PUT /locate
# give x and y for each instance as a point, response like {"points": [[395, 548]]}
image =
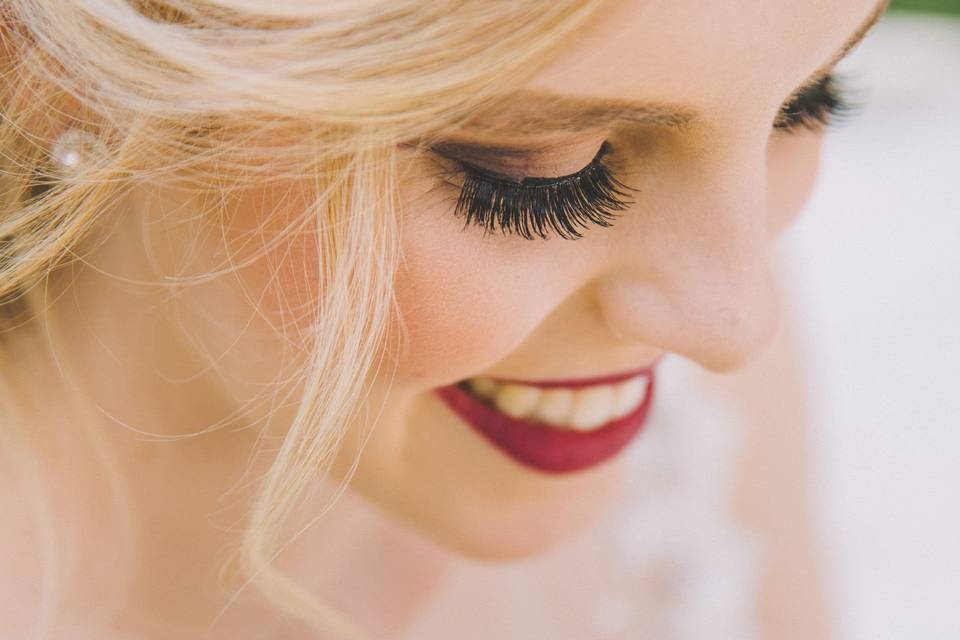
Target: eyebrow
{"points": [[530, 112]]}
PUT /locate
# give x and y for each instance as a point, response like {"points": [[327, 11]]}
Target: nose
{"points": [[696, 276]]}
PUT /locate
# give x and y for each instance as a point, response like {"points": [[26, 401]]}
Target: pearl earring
{"points": [[74, 148]]}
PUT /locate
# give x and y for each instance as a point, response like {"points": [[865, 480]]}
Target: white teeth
{"points": [[483, 387], [592, 407], [517, 401], [555, 406], [629, 395], [581, 409]]}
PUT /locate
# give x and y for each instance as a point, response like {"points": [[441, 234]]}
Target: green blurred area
{"points": [[941, 6]]}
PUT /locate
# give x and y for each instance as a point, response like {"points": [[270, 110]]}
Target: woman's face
{"points": [[686, 95], [685, 269]]}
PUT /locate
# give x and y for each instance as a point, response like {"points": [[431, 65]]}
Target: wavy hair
{"points": [[223, 94]]}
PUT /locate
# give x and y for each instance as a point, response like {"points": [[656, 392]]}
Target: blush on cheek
{"points": [[467, 301], [282, 281], [792, 164], [456, 324], [296, 266]]}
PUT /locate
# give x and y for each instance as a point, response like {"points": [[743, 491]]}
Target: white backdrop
{"points": [[876, 263]]}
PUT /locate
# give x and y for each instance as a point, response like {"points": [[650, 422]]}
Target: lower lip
{"points": [[545, 448]]}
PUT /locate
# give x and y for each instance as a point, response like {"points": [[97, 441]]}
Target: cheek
{"points": [[456, 323], [251, 287], [267, 236], [468, 302], [290, 270], [463, 298], [792, 165]]}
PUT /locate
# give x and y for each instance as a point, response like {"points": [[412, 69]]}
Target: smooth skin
{"points": [[687, 270]]}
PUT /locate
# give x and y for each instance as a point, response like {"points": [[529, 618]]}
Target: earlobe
{"points": [[74, 149], [41, 113]]}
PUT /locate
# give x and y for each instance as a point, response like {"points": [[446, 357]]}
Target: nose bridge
{"points": [[700, 284]]}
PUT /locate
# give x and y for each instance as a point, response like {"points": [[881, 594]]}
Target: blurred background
{"points": [[934, 6], [875, 265]]}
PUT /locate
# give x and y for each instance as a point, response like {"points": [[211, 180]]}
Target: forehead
{"points": [[702, 52]]}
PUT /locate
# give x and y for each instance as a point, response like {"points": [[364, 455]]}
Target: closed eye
{"points": [[538, 207], [818, 106]]}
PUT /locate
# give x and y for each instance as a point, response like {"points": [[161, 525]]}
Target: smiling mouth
{"points": [[555, 426]]}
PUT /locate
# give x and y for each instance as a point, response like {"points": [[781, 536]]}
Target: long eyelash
{"points": [[821, 105], [534, 207]]}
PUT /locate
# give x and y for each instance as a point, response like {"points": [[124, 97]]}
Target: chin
{"points": [[523, 531], [505, 547], [454, 488]]}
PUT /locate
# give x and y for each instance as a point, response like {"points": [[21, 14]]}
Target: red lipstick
{"points": [[544, 447]]}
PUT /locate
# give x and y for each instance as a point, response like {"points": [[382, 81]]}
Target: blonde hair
{"points": [[218, 94]]}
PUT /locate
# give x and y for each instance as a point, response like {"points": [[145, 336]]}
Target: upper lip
{"points": [[610, 378]]}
